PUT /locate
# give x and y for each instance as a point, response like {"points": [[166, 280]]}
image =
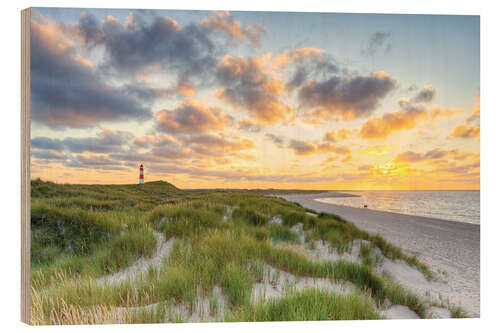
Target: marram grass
{"points": [[225, 241]]}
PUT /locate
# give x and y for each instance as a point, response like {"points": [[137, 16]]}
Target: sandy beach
{"points": [[451, 249]]}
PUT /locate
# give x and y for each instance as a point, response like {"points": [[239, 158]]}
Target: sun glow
{"points": [[387, 168]]}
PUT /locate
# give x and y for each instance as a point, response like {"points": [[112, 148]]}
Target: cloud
{"points": [[66, 91], [106, 141], [146, 93], [47, 143], [302, 147], [439, 112], [174, 151], [441, 159], [340, 134], [306, 148], [186, 148], [425, 95], [223, 21], [329, 160], [364, 167], [191, 117], [378, 40], [278, 140], [154, 140], [381, 127], [247, 85], [462, 155], [291, 56], [48, 155], [299, 77], [161, 43], [465, 132], [310, 63], [471, 128], [248, 125], [93, 161], [347, 159], [236, 175], [474, 118], [377, 150], [347, 98], [435, 153], [343, 150], [411, 156], [463, 169], [217, 144], [136, 157], [96, 160], [330, 136], [410, 113]]}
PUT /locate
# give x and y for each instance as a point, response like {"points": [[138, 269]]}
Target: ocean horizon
{"points": [[452, 205]]}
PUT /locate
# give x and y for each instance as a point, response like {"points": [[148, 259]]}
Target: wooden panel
{"points": [[25, 166]]}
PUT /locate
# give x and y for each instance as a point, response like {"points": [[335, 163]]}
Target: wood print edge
{"points": [[25, 166]]}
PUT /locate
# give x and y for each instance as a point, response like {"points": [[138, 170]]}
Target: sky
{"points": [[255, 99]]}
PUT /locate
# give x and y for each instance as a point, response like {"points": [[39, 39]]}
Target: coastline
{"points": [[450, 248]]}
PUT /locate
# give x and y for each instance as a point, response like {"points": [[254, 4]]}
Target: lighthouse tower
{"points": [[141, 174]]}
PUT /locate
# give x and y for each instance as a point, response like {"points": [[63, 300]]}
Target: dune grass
{"points": [[309, 305], [224, 240]]}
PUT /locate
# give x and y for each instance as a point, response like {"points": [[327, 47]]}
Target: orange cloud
{"points": [[248, 125], [307, 148], [411, 156], [381, 127], [210, 144], [290, 56], [330, 159], [439, 112], [347, 159], [248, 86], [157, 139], [185, 89], [377, 150], [476, 113], [462, 155], [191, 117], [465, 132], [223, 21], [340, 134]]}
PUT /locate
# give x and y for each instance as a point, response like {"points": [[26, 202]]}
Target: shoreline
{"points": [[450, 248], [335, 194]]}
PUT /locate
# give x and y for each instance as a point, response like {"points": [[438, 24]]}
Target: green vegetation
{"points": [[310, 305], [224, 240]]}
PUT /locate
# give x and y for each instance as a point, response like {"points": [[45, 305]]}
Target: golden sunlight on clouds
{"points": [[222, 100], [378, 150], [387, 169], [465, 131], [290, 56]]}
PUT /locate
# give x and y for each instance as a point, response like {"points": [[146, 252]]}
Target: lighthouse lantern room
{"points": [[141, 174]]}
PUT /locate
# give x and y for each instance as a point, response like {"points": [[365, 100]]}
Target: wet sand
{"points": [[451, 249]]}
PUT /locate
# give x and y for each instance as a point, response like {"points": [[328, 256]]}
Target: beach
{"points": [[451, 249]]}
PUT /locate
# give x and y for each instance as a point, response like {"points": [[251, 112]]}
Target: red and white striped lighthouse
{"points": [[141, 174]]}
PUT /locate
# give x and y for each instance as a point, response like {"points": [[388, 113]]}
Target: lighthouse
{"points": [[141, 174]]}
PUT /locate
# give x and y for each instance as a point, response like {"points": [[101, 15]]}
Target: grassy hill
{"points": [[155, 253]]}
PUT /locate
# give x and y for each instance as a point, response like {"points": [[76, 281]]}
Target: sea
{"points": [[461, 206]]}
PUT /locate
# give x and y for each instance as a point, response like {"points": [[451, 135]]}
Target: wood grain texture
{"points": [[25, 165]]}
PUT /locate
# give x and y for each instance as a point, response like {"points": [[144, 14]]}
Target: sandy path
{"points": [[142, 265], [452, 247]]}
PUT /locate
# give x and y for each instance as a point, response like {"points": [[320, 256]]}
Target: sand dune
{"points": [[451, 249]]}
